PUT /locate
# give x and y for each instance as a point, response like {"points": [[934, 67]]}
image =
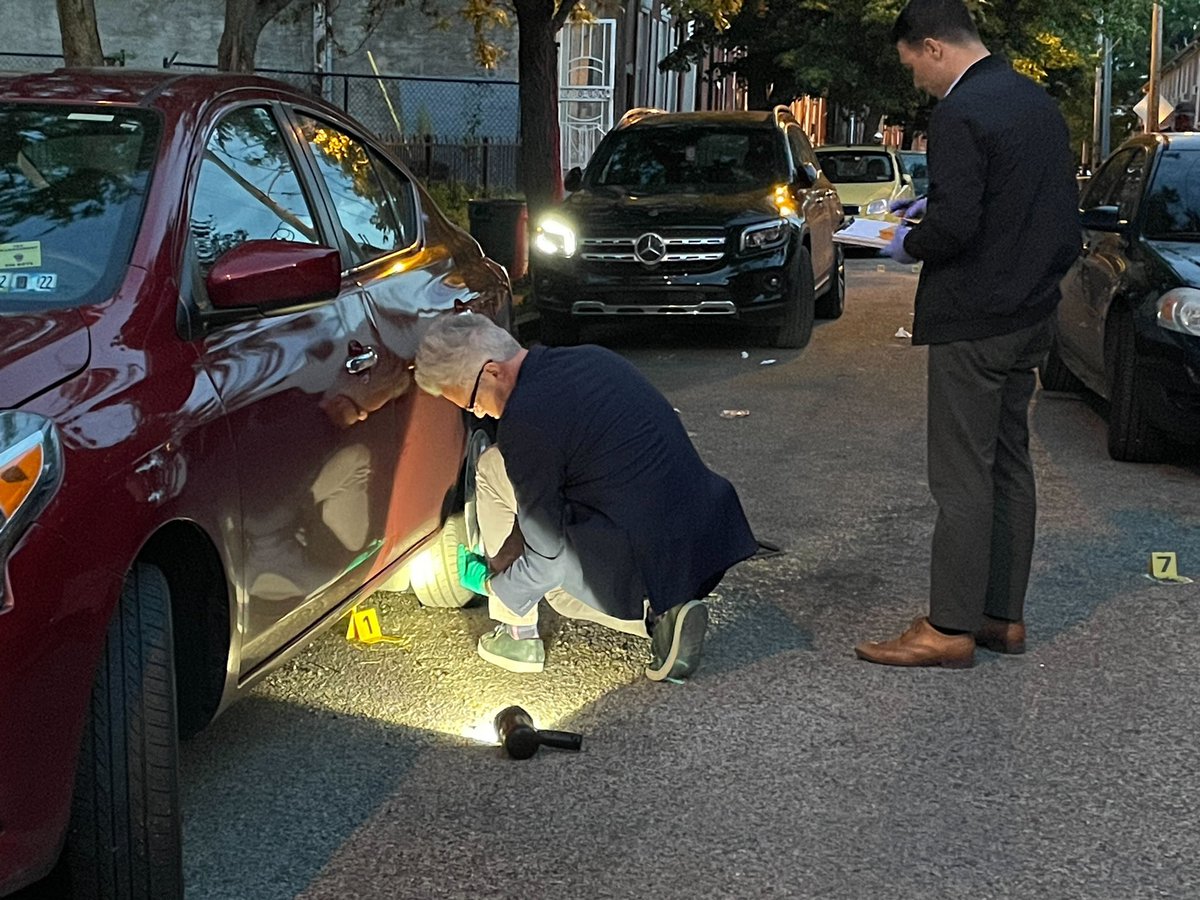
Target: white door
{"points": [[586, 76]]}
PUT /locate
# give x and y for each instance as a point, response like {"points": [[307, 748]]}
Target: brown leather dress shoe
{"points": [[1001, 636], [921, 645]]}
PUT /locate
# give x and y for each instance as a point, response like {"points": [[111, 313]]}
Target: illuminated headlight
{"points": [[1179, 310], [555, 238], [764, 235], [30, 473]]}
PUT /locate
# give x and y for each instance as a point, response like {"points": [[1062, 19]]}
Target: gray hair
{"points": [[455, 348]]}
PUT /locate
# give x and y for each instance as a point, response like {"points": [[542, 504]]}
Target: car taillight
{"points": [[30, 473]]}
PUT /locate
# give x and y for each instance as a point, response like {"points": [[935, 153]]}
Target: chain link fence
{"points": [[460, 130]]}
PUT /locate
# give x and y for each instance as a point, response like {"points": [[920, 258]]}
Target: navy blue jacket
{"points": [[1002, 225], [613, 501]]}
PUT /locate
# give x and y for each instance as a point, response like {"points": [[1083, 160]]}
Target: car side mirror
{"points": [[269, 275], [907, 179], [807, 175], [573, 180], [1104, 218]]}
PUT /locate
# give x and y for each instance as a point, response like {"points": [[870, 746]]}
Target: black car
{"points": [[1129, 321], [721, 215]]}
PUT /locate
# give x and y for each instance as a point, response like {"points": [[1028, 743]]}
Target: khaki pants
{"points": [[496, 510]]}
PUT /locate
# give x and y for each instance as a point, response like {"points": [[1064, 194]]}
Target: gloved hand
{"points": [[909, 208], [472, 570], [895, 248]]}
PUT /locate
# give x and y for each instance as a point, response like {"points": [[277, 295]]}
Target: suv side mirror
{"points": [[1104, 218], [573, 180], [806, 175]]}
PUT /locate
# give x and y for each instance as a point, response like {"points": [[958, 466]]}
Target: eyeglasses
{"points": [[475, 390]]}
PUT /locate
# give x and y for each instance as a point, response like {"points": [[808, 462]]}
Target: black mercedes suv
{"points": [[721, 215]]}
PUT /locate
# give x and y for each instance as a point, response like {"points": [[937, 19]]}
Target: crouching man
{"points": [[593, 496]]}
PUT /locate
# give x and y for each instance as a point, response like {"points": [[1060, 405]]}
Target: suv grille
{"points": [[653, 248]]}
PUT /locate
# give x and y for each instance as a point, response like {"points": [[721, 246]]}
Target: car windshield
{"points": [[854, 167], [676, 159], [72, 182], [1172, 205]]}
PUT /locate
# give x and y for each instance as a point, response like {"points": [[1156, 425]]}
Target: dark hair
{"points": [[943, 20]]}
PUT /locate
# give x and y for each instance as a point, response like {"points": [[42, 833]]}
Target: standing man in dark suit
{"points": [[613, 506], [999, 230]]}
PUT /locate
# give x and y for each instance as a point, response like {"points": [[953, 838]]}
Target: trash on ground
{"points": [[745, 355], [768, 362], [903, 332], [734, 413]]}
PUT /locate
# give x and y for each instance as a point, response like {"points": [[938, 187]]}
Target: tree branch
{"points": [[564, 12]]}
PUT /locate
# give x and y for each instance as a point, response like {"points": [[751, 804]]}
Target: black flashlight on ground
{"points": [[520, 739]]}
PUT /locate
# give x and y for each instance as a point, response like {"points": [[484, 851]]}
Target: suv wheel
{"points": [[435, 578], [833, 303], [1131, 436], [796, 329]]}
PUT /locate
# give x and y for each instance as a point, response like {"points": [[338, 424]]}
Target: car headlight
{"points": [[1179, 310], [30, 473], [764, 235], [555, 238]]}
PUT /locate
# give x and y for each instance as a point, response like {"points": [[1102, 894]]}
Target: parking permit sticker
{"points": [[21, 255], [37, 282]]}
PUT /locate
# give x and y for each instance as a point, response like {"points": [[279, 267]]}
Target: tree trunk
{"points": [[537, 68], [244, 22], [80, 37]]}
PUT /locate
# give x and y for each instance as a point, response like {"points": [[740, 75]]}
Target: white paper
{"points": [[867, 233]]}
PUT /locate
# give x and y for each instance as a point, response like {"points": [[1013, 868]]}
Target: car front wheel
{"points": [[124, 841], [795, 330], [1131, 436], [833, 303]]}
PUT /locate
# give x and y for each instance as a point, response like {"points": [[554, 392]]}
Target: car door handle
{"points": [[360, 362]]}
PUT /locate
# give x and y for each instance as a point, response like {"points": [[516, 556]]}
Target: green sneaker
{"points": [[502, 649], [678, 641]]}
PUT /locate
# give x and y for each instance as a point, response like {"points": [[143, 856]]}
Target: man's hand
{"points": [[472, 571], [895, 248], [909, 208]]}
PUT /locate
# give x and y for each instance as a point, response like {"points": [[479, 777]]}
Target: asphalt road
{"points": [[786, 768]]}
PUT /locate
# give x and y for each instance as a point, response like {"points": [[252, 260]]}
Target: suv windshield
{"points": [[1173, 203], [72, 181], [672, 159], [848, 167]]}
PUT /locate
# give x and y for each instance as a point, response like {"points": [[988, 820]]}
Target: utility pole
{"points": [[323, 44], [1106, 100], [1151, 124]]}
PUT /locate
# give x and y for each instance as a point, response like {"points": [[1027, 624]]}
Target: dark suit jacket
{"points": [[1002, 225], [614, 502]]}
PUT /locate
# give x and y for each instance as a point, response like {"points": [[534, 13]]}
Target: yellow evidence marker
{"points": [[364, 627], [1165, 567]]}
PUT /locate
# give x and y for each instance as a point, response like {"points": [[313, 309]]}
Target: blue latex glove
{"points": [[910, 209], [895, 248], [472, 571]]}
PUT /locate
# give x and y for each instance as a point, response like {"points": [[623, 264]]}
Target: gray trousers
{"points": [[981, 475]]}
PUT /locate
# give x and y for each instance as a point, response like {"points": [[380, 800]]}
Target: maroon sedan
{"points": [[211, 446]]}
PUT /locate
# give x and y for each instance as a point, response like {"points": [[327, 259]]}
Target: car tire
{"points": [[435, 580], [124, 840], [1131, 437], [833, 303], [558, 329], [796, 329], [1054, 374]]}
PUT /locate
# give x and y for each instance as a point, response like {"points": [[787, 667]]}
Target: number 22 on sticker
{"points": [[35, 281]]}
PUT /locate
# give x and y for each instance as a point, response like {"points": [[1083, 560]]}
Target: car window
{"points": [[917, 166], [852, 167], [72, 185], [368, 219], [247, 188], [802, 151], [1173, 201], [658, 159], [403, 196], [1106, 186]]}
